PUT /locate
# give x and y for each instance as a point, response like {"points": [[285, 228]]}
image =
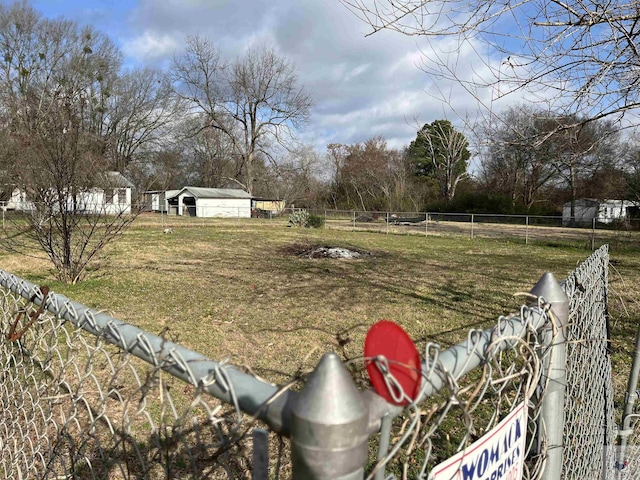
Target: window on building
{"points": [[109, 195]]}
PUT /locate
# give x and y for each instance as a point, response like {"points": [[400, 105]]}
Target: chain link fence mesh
{"points": [[523, 228], [76, 403], [73, 405], [590, 423]]}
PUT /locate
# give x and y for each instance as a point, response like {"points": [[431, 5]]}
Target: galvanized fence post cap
{"points": [[330, 397], [550, 289], [329, 425], [552, 292]]}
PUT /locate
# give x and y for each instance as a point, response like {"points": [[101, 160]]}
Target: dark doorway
{"points": [[190, 206]]}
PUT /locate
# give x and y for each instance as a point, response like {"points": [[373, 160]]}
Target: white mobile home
{"points": [[210, 202], [605, 211], [113, 197]]}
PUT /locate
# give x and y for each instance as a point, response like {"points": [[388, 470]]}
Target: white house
{"points": [[19, 201], [605, 211], [113, 198], [210, 202]]}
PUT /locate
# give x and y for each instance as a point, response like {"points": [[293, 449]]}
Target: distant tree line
{"points": [[576, 58], [526, 161]]}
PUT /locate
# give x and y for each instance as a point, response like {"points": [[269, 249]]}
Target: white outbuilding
{"points": [[605, 211], [156, 200], [210, 202]]}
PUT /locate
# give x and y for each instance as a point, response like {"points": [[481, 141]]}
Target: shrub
{"points": [[316, 221], [299, 219], [302, 218]]}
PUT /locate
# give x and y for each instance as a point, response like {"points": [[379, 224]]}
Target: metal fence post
{"points": [[472, 226], [260, 454], [383, 447], [329, 425], [554, 374], [526, 232], [629, 407]]}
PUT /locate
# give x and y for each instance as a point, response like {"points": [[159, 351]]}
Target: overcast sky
{"points": [[362, 86]]}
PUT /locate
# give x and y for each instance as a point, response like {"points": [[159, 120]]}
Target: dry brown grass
{"points": [[241, 290], [231, 289]]}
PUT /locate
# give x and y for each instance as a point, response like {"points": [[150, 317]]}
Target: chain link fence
{"points": [[524, 228], [468, 391], [84, 395], [590, 422], [590, 233]]}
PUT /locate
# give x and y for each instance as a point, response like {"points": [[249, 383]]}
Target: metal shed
{"points": [[210, 202], [156, 200]]}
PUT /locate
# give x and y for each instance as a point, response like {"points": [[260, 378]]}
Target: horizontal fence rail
{"points": [[84, 395]]}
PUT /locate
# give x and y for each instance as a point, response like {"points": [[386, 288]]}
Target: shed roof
{"points": [[200, 192], [267, 199]]}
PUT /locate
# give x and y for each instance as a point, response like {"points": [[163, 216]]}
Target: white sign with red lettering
{"points": [[498, 455]]}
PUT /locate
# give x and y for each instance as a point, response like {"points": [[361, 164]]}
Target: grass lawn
{"points": [[239, 290], [236, 290]]}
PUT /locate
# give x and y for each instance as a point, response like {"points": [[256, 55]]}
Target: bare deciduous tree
{"points": [[513, 162], [255, 101], [530, 150], [293, 178], [583, 53], [371, 176], [205, 156], [137, 113], [579, 149], [58, 121]]}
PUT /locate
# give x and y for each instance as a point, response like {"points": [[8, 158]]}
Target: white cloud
{"points": [[151, 46], [363, 86]]}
